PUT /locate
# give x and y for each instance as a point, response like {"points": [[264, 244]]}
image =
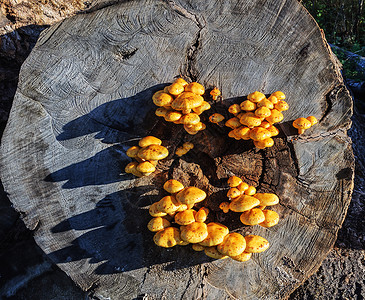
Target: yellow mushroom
{"points": [[153, 152], [252, 217], [233, 193], [244, 203], [187, 101], [161, 112], [242, 132], [282, 105], [180, 81], [190, 119], [242, 187], [216, 118], [233, 244], [248, 105], [231, 134], [265, 103], [168, 237], [273, 130], [251, 190], [132, 151], [155, 212], [173, 116], [175, 89], [214, 253], [188, 146], [263, 112], [259, 133], [224, 206], [173, 186], [234, 181], [215, 93], [265, 124], [180, 151], [244, 256], [267, 199], [233, 123], [149, 140], [271, 218], [312, 119], [266, 143], [146, 168], [168, 204], [190, 195], [195, 232], [256, 244], [216, 234], [202, 214], [279, 95], [250, 120], [302, 124], [197, 247], [195, 88], [131, 166], [157, 224], [256, 97], [194, 127], [202, 108], [185, 217], [234, 109], [275, 117], [162, 99], [273, 99]]}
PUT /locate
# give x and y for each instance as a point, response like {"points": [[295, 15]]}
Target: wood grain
{"points": [[84, 97]]}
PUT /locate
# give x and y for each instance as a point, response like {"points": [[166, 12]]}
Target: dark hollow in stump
{"points": [[84, 98]]}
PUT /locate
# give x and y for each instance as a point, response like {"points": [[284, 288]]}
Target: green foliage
{"points": [[350, 67]]}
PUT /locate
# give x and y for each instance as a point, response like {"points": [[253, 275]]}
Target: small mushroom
{"points": [[242, 187], [271, 218], [224, 206], [216, 118], [244, 256], [190, 195], [252, 217], [157, 224], [256, 97], [214, 253], [155, 212], [256, 244], [197, 247], [266, 143], [202, 108], [195, 127], [202, 215], [146, 168], [263, 112], [259, 134], [267, 199], [251, 190], [173, 116], [250, 120], [243, 203], [162, 99], [248, 105], [233, 193], [216, 234], [187, 101], [173, 186], [132, 151], [167, 238], [149, 140], [161, 112], [190, 119], [233, 244], [275, 117], [242, 132], [279, 95], [175, 89], [195, 88], [273, 130], [234, 181], [265, 124], [265, 103], [153, 152], [180, 81], [168, 204], [234, 109], [233, 123], [215, 93], [195, 232], [282, 105], [185, 217], [132, 168], [302, 124], [312, 119]]}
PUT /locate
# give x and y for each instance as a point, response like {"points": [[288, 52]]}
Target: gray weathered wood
{"points": [[84, 97]]}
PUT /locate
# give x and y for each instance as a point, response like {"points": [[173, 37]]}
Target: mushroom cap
{"points": [[195, 127], [233, 244], [275, 117], [252, 217], [215, 92], [216, 118], [250, 120], [202, 214], [149, 140], [269, 142], [155, 212], [190, 195], [242, 132], [251, 190], [273, 130], [185, 217], [248, 105], [168, 204], [265, 103], [195, 88], [188, 145], [267, 199], [180, 81], [244, 256], [216, 234], [256, 244], [190, 131], [194, 232], [168, 237], [214, 253], [243, 203], [153, 152], [312, 119], [233, 193], [302, 123], [265, 124], [131, 166], [197, 247], [175, 88], [279, 95], [224, 206], [271, 218], [157, 224], [161, 98], [161, 111], [234, 181], [259, 133], [263, 112], [132, 151], [256, 97], [203, 107], [233, 123], [146, 167], [190, 119], [180, 151], [173, 186], [282, 105], [187, 100], [173, 116], [234, 109], [273, 99], [242, 187]]}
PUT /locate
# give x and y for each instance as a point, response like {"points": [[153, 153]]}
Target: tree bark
{"points": [[83, 98]]}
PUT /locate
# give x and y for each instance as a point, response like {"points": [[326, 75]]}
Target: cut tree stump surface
{"points": [[84, 97]]}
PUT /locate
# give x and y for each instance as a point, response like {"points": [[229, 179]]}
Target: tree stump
{"points": [[84, 97]]}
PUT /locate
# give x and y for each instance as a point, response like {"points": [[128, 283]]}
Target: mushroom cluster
{"points": [[147, 154], [175, 222], [304, 123], [185, 148], [182, 103], [250, 204], [254, 118]]}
